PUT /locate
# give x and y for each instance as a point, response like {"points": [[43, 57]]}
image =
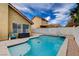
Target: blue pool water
{"points": [[45, 45]]}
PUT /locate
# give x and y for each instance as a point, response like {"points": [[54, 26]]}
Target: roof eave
{"points": [[20, 13]]}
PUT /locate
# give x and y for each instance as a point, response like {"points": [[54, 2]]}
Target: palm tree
{"points": [[72, 23], [75, 16]]}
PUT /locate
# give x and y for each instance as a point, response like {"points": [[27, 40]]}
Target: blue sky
{"points": [[55, 13]]}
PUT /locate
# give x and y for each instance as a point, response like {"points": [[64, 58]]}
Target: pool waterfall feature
{"points": [[44, 45]]}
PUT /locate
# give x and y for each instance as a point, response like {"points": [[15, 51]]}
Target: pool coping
{"points": [[5, 44], [63, 48]]}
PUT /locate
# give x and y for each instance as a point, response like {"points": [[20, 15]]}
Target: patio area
{"points": [[72, 48]]}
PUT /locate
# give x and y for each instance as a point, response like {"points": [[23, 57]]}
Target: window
{"points": [[25, 28], [19, 28], [14, 28]]}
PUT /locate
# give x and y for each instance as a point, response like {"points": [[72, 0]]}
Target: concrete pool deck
{"points": [[72, 48]]}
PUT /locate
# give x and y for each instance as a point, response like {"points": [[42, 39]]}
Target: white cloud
{"points": [[41, 6], [61, 16], [54, 22], [21, 7], [66, 8], [48, 18], [58, 19]]}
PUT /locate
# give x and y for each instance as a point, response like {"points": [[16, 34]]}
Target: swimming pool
{"points": [[44, 45]]}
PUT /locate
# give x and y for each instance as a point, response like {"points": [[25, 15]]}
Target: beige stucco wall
{"points": [[37, 22], [14, 17], [3, 21], [44, 22]]}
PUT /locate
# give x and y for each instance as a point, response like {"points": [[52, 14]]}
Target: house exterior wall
{"points": [[14, 17], [3, 21], [37, 22], [44, 22]]}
